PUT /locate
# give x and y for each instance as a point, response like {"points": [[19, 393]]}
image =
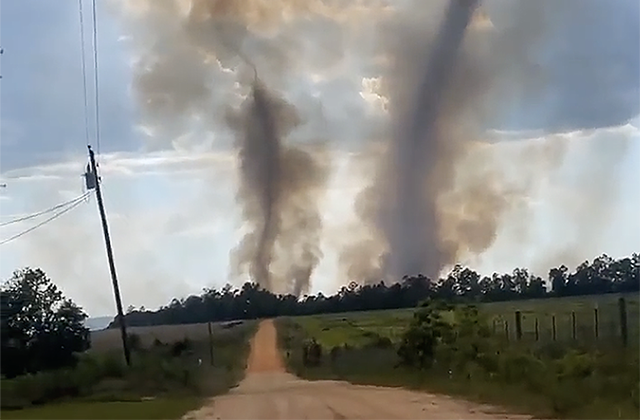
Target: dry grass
{"points": [[105, 340]]}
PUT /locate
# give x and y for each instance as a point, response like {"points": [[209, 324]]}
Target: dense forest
{"points": [[603, 275]]}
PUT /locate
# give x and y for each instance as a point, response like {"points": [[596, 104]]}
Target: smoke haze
{"points": [[440, 195], [279, 189], [441, 191]]}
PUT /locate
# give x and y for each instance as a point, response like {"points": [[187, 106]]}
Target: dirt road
{"points": [[269, 392]]}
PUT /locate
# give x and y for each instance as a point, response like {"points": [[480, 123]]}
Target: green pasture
{"points": [[357, 328], [352, 328]]}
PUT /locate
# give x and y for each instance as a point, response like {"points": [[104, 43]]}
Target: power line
{"points": [[42, 212], [95, 72], [84, 72], [44, 222]]}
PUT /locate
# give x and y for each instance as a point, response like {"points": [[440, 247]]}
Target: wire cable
{"points": [[43, 212], [84, 72], [95, 73], [44, 222]]}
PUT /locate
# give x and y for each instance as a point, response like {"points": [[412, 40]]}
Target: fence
{"points": [[586, 327]]}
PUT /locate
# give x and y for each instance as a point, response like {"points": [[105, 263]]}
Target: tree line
{"points": [[603, 275]]}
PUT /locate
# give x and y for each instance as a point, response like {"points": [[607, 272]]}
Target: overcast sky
{"points": [[170, 197]]}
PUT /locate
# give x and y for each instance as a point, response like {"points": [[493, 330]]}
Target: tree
{"points": [[41, 329], [558, 278], [426, 331]]}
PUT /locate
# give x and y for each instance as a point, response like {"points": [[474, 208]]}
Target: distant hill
{"points": [[98, 323]]}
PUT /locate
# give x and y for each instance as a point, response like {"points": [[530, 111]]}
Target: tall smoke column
{"points": [[260, 168], [280, 186], [411, 207]]}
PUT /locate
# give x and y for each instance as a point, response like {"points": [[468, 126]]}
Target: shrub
{"points": [[426, 331], [311, 353], [335, 352], [135, 344], [180, 347], [382, 342]]}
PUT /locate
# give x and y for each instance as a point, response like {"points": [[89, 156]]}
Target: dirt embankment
{"points": [[269, 392]]}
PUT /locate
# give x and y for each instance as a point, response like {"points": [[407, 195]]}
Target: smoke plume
{"points": [[440, 191], [279, 183], [279, 189], [433, 202], [425, 144], [427, 138]]}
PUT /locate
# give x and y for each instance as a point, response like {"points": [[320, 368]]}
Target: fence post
{"points": [[573, 326], [553, 328], [537, 329], [622, 306], [506, 329], [596, 327], [210, 343], [518, 325], [494, 326]]}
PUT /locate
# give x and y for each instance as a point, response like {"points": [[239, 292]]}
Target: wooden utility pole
{"points": [[93, 176]]}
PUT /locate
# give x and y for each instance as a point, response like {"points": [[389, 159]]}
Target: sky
{"points": [[169, 182]]}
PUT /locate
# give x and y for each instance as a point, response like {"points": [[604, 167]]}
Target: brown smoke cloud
{"points": [[280, 183], [279, 190], [433, 202], [440, 194]]}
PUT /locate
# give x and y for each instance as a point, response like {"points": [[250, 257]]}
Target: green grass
{"points": [[159, 384], [351, 328], [360, 359], [355, 328], [162, 408]]}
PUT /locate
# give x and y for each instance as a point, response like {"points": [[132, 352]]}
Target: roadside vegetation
{"points": [[454, 350], [164, 408], [50, 360], [50, 369]]}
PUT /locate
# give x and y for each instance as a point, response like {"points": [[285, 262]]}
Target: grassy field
{"points": [[582, 378], [104, 340], [357, 328], [160, 383], [164, 408]]}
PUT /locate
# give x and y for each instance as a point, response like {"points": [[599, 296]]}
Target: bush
{"points": [[426, 331], [104, 375], [311, 353], [335, 353], [180, 347]]}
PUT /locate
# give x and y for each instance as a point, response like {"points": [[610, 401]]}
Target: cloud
{"points": [[154, 207], [130, 164], [587, 58], [42, 115]]}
